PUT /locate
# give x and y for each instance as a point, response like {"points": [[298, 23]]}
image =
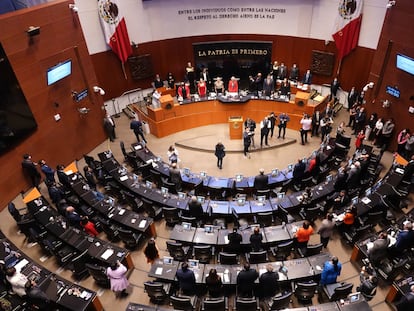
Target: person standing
{"points": [[294, 73], [47, 171], [202, 88], [360, 119], [190, 77], [171, 80], [402, 140], [220, 153], [352, 97], [269, 282], [246, 142], [233, 86], [235, 240], [335, 86], [172, 154], [175, 176], [303, 235], [186, 280], [261, 181], [268, 85], [157, 83], [151, 251], [386, 133], [195, 209], [109, 127], [256, 239], [326, 229], [218, 86], [272, 119], [117, 277], [214, 284], [136, 126], [407, 302], [245, 281], [264, 131], [359, 139], [331, 270], [316, 119], [17, 280], [251, 125], [307, 78], [30, 170], [370, 125], [306, 123], [326, 127], [283, 120]]}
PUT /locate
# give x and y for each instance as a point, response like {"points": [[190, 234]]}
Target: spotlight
{"points": [[73, 7], [99, 90]]}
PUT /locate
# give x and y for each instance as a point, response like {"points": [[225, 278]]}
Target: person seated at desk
{"points": [[256, 239], [195, 209], [214, 284], [303, 235], [378, 250], [368, 285], [62, 177], [186, 280], [89, 227], [17, 281], [245, 281], [175, 176], [37, 297], [340, 182], [56, 193], [157, 83], [218, 86], [338, 200], [405, 239], [268, 281], [331, 270], [261, 181], [235, 240], [407, 302], [233, 86]]}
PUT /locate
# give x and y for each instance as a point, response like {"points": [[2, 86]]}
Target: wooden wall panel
{"points": [[74, 135]]}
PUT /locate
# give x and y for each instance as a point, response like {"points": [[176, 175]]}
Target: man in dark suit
{"points": [[136, 126], [307, 78], [261, 181], [360, 119], [175, 176], [405, 240], [407, 302], [235, 240], [294, 73], [316, 119], [245, 281], [186, 280], [352, 97], [298, 171], [109, 127], [30, 170], [335, 85], [195, 209], [269, 282]]}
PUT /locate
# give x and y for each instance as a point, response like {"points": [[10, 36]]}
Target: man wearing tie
{"points": [[307, 78], [282, 71], [264, 131], [352, 97], [316, 118], [109, 127]]}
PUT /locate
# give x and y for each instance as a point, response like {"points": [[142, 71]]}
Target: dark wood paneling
{"points": [[74, 135]]}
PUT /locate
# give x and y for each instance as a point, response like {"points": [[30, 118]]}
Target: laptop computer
{"points": [[11, 260], [203, 175], [186, 171], [290, 167], [261, 199], [354, 297], [329, 178], [241, 201], [355, 200], [280, 195]]}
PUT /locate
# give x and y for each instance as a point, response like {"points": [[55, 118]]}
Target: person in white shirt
{"points": [[17, 281], [306, 127], [264, 131]]}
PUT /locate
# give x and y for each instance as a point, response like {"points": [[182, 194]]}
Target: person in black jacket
{"points": [[186, 280], [269, 282], [256, 240], [261, 181], [195, 209], [407, 302], [220, 153], [245, 281], [235, 240], [30, 170], [136, 127], [214, 284]]}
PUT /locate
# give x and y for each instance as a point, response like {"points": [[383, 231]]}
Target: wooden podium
{"points": [[301, 98], [236, 127], [167, 102]]}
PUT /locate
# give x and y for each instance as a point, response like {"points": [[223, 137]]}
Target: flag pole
{"points": [[123, 70], [339, 67]]}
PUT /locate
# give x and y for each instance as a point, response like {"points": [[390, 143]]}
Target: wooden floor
{"points": [[197, 161]]}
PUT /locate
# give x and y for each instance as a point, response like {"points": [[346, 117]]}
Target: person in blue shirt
{"points": [[331, 270]]}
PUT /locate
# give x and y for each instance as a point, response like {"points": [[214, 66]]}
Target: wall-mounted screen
{"points": [[405, 63], [393, 91], [58, 72]]}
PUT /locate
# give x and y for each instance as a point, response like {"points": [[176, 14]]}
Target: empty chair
{"points": [[178, 251], [144, 170], [157, 292], [228, 258], [79, 270], [156, 177], [355, 234], [310, 213], [373, 218], [203, 253], [311, 250], [257, 257], [304, 292], [265, 193], [153, 210], [185, 303], [192, 220], [283, 250], [264, 219], [15, 212], [280, 302], [337, 291], [131, 239], [247, 304], [171, 215], [110, 230], [99, 275], [214, 304]]}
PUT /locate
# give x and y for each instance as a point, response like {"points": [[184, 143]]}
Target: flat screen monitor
{"points": [[354, 297], [203, 174], [280, 195], [368, 192], [393, 91], [239, 177], [181, 195], [275, 172], [186, 171], [164, 191], [405, 63], [11, 260], [208, 229], [201, 199], [148, 184], [241, 201], [349, 162], [58, 72], [290, 167], [305, 160], [186, 225], [193, 263], [329, 178], [261, 198], [167, 260], [355, 200]]}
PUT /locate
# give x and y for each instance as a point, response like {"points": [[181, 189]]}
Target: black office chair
{"points": [[192, 220], [214, 304], [203, 253], [157, 292], [185, 303], [178, 251], [64, 254], [247, 304], [79, 270], [372, 218], [282, 251], [99, 275], [371, 295], [265, 192], [304, 292], [355, 234], [311, 250], [280, 302], [338, 291], [131, 239], [15, 212], [311, 213], [144, 170], [171, 215], [111, 231], [264, 219], [228, 258], [153, 210], [257, 257], [172, 187]]}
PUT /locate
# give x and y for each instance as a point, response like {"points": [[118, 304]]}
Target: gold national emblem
{"points": [[108, 11], [347, 8]]}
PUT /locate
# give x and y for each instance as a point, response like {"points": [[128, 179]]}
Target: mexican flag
{"points": [[347, 26], [114, 27]]}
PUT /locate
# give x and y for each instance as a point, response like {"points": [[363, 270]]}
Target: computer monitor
{"points": [[166, 260], [186, 171], [201, 199], [261, 198], [186, 225], [193, 263], [181, 195], [208, 228], [203, 175], [368, 192], [275, 172], [290, 167], [11, 260], [349, 162], [280, 195], [305, 160], [239, 177], [241, 201], [354, 297], [137, 147], [355, 200], [329, 178], [164, 191], [148, 184]]}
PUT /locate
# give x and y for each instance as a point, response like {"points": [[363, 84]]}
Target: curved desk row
{"points": [[62, 292]]}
